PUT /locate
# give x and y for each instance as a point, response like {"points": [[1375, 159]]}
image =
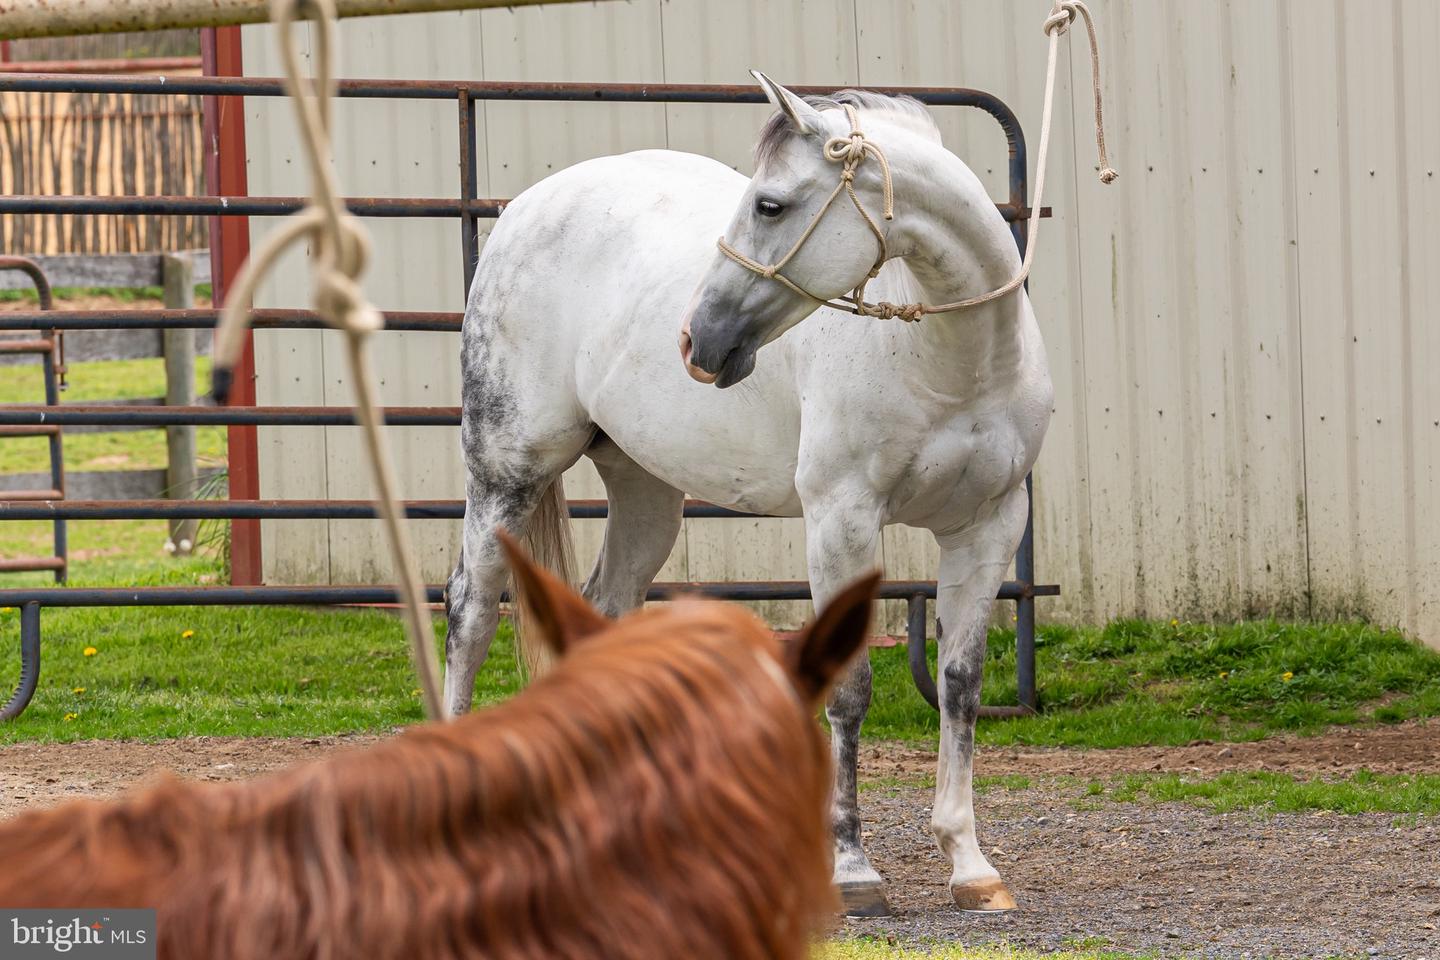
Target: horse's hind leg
{"points": [[640, 531], [505, 486]]}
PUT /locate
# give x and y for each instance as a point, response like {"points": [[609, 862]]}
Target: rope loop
{"points": [[1061, 16]]}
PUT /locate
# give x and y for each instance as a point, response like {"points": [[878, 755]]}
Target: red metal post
{"points": [[224, 132]]}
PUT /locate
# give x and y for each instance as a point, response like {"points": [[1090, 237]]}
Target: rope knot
{"points": [[1063, 14], [847, 150], [885, 310], [1109, 175]]}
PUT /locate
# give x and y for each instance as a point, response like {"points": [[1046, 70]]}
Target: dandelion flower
{"points": [[415, 692], [78, 690], [90, 651], [1224, 674], [187, 634], [1287, 676], [71, 716], [1174, 623]]}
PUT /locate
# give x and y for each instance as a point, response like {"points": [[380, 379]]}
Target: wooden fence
{"points": [[105, 144]]}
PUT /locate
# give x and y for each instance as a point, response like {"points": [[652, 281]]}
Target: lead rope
{"points": [[340, 249], [853, 149]]}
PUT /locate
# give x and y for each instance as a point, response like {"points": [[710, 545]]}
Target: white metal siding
{"points": [[1240, 330]]}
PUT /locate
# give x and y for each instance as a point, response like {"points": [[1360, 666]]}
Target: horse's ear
{"points": [[827, 645], [560, 615], [803, 117]]}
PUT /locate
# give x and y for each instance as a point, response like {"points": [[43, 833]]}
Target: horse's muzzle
{"points": [[686, 347]]}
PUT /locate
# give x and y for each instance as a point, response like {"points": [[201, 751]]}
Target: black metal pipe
{"points": [[248, 206], [469, 186], [915, 642], [151, 416], [224, 596], [245, 206], [29, 662], [36, 274], [481, 90], [429, 321], [287, 510], [320, 596], [1025, 611]]}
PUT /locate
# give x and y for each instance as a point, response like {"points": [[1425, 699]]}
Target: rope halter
{"points": [[849, 151]]}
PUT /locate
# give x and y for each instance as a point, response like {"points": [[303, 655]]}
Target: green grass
{"points": [[103, 380], [1413, 795], [1364, 792], [259, 671], [122, 294], [1135, 683]]}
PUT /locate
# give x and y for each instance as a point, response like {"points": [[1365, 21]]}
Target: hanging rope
{"points": [[339, 249], [852, 151]]}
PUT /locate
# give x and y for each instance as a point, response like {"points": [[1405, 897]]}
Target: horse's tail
{"points": [[549, 543]]}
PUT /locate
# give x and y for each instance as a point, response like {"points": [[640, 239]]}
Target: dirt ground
{"points": [[1166, 878]]}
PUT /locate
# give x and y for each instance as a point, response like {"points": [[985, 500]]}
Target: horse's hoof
{"points": [[864, 899], [983, 896]]}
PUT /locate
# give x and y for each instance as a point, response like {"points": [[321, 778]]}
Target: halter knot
{"points": [[885, 310], [847, 150]]}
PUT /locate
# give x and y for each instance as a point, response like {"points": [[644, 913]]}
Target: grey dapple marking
{"points": [[851, 423]]}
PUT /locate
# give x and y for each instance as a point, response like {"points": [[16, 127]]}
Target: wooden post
{"points": [[178, 273]]}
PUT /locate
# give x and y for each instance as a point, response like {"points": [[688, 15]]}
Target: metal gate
{"points": [[468, 209]]}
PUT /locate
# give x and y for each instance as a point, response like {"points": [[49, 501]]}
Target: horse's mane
{"points": [[661, 793], [778, 130]]}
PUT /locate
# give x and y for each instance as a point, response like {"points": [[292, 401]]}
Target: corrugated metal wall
{"points": [[1245, 421]]}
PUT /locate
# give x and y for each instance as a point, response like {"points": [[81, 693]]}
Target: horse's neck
{"points": [[957, 247]]}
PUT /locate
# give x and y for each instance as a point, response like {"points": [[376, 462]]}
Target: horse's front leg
{"points": [[972, 566], [842, 536]]}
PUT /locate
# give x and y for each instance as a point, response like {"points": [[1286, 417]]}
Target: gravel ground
{"points": [[1164, 878], [1167, 878]]}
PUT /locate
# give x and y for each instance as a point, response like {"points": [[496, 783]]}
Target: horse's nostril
{"points": [[686, 348]]}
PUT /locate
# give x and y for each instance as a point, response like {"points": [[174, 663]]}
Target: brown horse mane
{"points": [[661, 793]]}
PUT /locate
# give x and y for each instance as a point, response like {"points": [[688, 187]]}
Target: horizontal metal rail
{"points": [[151, 416], [482, 90], [289, 510], [250, 206], [319, 596], [241, 206], [429, 321]]}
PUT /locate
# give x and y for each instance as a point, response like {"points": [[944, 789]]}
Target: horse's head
{"points": [[798, 238], [810, 662]]}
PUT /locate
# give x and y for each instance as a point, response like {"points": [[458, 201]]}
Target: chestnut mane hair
{"points": [[662, 793]]}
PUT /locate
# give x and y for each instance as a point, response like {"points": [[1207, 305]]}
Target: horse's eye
{"points": [[768, 208]]}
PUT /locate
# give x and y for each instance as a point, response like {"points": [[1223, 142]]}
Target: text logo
{"points": [[77, 934]]}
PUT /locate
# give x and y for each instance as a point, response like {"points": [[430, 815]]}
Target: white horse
{"points": [[851, 422]]}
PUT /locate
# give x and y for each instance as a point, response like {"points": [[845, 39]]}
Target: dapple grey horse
{"points": [[851, 422]]}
